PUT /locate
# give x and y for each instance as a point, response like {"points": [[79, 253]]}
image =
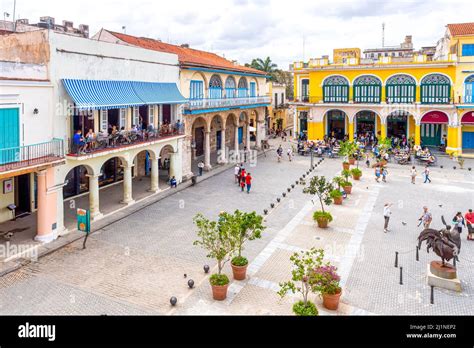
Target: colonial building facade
{"points": [[419, 99], [226, 104]]}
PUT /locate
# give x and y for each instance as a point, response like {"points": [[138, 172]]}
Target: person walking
{"points": [[279, 153], [289, 152], [200, 167], [377, 174], [384, 174], [237, 173], [242, 183], [458, 222], [426, 172], [413, 174], [248, 182], [469, 217], [386, 215], [425, 218]]}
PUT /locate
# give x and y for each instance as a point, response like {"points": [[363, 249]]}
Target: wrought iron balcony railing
{"points": [[370, 100], [30, 155], [197, 104]]}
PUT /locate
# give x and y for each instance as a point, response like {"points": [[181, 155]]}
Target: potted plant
{"points": [[322, 188], [348, 149], [338, 180], [220, 245], [242, 227], [356, 173], [325, 280], [336, 195], [346, 165], [347, 187], [304, 263]]}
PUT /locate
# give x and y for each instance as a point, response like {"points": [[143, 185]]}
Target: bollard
{"points": [[417, 254], [396, 259], [401, 275], [432, 295], [454, 261]]}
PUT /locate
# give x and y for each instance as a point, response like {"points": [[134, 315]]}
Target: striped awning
{"points": [[108, 94]]}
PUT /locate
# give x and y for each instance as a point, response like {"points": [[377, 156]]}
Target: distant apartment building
{"points": [[404, 50]]}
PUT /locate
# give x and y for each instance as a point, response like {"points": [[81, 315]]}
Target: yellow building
{"points": [[279, 117], [392, 96]]}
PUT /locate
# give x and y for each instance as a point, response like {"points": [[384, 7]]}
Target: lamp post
{"points": [[311, 149]]}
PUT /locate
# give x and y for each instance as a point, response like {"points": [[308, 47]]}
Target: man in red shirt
{"points": [[248, 181], [469, 217]]}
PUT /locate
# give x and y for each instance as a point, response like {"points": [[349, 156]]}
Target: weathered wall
{"points": [[30, 47]]}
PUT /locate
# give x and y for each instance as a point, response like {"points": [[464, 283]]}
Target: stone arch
{"points": [[335, 122], [76, 180], [363, 117]]}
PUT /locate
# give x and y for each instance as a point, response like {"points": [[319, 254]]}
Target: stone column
{"points": [[47, 207], [176, 169], [127, 184], [417, 134], [351, 131], [94, 196], [247, 135], [383, 130], [223, 150], [154, 176], [207, 150], [260, 134]]}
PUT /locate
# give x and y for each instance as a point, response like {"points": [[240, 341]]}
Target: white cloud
{"points": [[245, 29]]}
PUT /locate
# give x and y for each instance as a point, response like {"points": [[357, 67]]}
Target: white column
{"points": [[260, 134], [154, 176], [223, 150], [207, 150], [127, 184], [94, 196], [247, 136], [176, 169]]}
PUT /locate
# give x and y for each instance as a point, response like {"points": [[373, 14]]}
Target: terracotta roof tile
{"points": [[459, 29], [186, 56]]}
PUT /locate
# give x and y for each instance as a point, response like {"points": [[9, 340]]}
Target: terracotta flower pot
{"points": [[352, 161], [337, 200], [239, 272], [219, 292], [322, 223], [356, 177], [348, 189], [346, 166], [331, 301]]}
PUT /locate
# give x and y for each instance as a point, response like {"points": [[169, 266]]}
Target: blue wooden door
{"points": [[468, 140], [219, 140], [253, 89], [9, 135], [241, 135]]}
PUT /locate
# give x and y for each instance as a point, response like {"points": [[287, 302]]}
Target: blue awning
{"points": [[158, 93], [108, 94]]}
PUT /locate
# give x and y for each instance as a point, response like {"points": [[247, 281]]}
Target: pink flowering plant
{"points": [[325, 280]]}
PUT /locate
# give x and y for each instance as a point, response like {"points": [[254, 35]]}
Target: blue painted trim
{"points": [[466, 106], [205, 111], [228, 72]]}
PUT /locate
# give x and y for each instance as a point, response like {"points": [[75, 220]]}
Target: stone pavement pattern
{"points": [[135, 265]]}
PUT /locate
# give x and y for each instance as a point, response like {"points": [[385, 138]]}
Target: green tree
{"points": [[322, 188], [215, 239]]}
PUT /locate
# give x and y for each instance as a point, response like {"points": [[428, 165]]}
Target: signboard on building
{"points": [[341, 55], [83, 220]]}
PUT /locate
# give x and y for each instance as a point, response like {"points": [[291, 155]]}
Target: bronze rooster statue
{"points": [[446, 243]]}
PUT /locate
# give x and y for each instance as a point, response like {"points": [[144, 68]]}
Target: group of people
{"points": [[242, 178], [459, 221], [289, 153]]}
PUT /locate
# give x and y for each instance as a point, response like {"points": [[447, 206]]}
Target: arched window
{"points": [[215, 87], [336, 89], [469, 89], [401, 89], [435, 89], [230, 87], [243, 87], [367, 89]]}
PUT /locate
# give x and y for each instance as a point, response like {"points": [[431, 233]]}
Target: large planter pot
{"points": [[331, 301], [356, 177], [337, 200], [239, 272], [345, 166], [352, 161], [322, 222], [219, 292], [348, 189]]}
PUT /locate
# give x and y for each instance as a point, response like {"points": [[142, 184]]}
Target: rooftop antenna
{"points": [[124, 28], [304, 41], [383, 35], [14, 21]]}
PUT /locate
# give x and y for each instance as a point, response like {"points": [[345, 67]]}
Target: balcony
{"points": [[370, 100], [195, 105], [104, 143], [34, 155]]}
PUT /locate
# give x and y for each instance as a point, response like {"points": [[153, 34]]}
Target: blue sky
{"points": [[244, 29]]}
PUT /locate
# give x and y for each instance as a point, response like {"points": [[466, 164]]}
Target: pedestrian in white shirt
{"points": [[289, 152], [413, 174], [237, 173], [386, 214]]}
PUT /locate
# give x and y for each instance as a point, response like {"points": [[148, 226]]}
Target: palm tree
{"points": [[264, 65]]}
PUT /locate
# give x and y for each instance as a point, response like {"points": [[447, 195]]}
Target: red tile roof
{"points": [[459, 29], [187, 56]]}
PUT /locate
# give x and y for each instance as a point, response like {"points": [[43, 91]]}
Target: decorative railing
{"points": [[106, 142], [345, 100], [195, 104], [31, 155]]}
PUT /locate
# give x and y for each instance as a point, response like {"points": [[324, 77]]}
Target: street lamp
{"points": [[311, 149]]}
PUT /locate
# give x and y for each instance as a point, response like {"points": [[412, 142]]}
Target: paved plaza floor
{"points": [[134, 266]]}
